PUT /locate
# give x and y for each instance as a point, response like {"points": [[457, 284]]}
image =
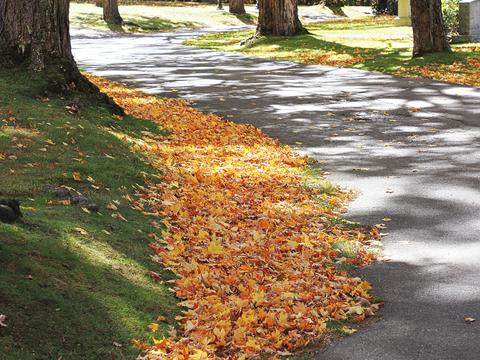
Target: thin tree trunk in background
{"points": [[219, 5], [99, 3], [35, 33], [429, 31], [278, 18], [111, 14], [236, 7]]}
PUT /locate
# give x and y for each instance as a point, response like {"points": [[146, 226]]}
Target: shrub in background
{"points": [[451, 15], [385, 7]]}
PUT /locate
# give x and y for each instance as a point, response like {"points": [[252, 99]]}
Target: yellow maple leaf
{"points": [[199, 355], [153, 327], [215, 247]]}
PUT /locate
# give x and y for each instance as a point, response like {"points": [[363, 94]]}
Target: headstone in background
{"points": [[470, 19], [404, 13]]}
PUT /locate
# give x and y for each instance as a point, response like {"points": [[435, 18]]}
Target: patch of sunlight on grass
{"points": [[100, 253], [314, 179], [9, 131]]}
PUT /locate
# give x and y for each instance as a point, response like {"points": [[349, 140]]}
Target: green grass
{"points": [[68, 295], [374, 44], [168, 17]]}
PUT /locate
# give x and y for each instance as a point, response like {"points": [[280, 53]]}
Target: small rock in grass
{"points": [[58, 191], [92, 207], [80, 200], [10, 211]]}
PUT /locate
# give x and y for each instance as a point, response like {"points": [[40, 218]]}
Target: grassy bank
{"points": [[374, 44], [73, 284], [79, 284]]}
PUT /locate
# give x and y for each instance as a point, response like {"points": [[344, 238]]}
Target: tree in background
{"points": [[236, 7], [279, 18], [429, 31], [219, 5], [111, 14]]}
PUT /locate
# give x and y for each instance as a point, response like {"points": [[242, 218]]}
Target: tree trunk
{"points": [[429, 32], [99, 3], [35, 32], [278, 18], [219, 5], [236, 7], [111, 15]]}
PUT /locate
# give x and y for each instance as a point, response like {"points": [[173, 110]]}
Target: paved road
{"points": [[359, 126]]}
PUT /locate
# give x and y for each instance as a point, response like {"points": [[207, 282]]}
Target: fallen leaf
{"points": [[111, 206], [3, 318], [81, 231], [66, 202], [153, 327]]}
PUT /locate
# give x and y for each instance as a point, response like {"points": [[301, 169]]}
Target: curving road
{"points": [[419, 168]]}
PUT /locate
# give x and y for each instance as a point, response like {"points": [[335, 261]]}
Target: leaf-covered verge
{"points": [[374, 44], [255, 236], [73, 284]]}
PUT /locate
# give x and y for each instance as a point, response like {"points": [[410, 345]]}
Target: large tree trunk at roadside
{"points": [[429, 31], [35, 32], [111, 15], [236, 7], [279, 18]]}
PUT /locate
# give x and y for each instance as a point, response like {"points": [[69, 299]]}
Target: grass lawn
{"points": [[163, 17], [371, 44], [73, 284]]}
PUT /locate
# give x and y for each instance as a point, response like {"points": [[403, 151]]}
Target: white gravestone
{"points": [[470, 19]]}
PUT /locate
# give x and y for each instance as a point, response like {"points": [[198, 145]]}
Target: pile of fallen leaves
{"points": [[250, 235], [462, 72], [331, 58]]}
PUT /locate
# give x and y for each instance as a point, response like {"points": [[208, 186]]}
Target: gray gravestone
{"points": [[470, 19]]}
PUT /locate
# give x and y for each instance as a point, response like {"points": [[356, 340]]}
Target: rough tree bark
{"points": [[35, 34], [279, 18], [236, 7], [111, 15], [429, 31]]}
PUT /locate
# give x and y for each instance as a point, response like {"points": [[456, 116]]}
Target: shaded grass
{"points": [[66, 294], [373, 44]]}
